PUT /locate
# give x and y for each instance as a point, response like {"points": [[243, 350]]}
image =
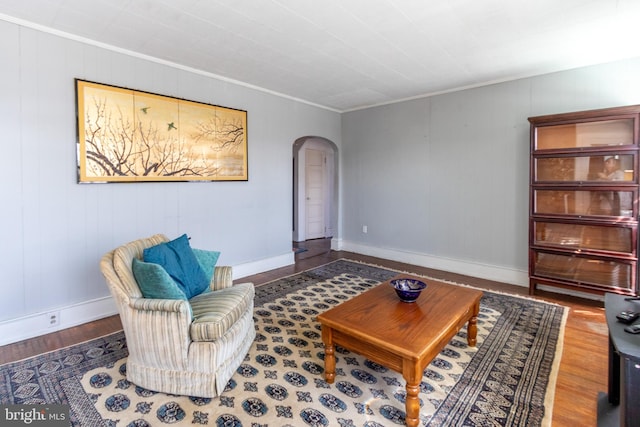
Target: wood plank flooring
{"points": [[583, 368]]}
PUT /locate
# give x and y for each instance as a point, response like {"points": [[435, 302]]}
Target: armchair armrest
{"points": [[166, 305], [222, 277], [158, 326]]}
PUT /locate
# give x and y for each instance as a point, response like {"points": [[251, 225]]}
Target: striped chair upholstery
{"points": [[176, 346]]}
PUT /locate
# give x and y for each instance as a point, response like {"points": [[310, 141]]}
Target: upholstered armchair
{"points": [[185, 346]]}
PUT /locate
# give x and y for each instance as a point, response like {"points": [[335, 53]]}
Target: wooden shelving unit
{"points": [[583, 217]]}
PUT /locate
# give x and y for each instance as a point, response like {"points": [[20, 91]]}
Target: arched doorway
{"points": [[315, 183]]}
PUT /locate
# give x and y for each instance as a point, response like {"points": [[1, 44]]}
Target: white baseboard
{"points": [[255, 267], [22, 328], [38, 324], [483, 271]]}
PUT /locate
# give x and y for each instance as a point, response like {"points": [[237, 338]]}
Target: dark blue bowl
{"points": [[408, 290]]}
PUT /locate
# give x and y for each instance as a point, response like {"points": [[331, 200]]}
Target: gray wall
{"points": [[54, 231], [443, 181]]}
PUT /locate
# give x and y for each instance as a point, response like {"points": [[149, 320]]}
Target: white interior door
{"points": [[314, 193]]}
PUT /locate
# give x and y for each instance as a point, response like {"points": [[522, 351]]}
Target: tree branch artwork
{"points": [[132, 136]]}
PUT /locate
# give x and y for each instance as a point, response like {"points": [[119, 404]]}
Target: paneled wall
{"points": [[54, 231]]}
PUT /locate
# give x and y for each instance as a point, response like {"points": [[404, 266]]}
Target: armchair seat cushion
{"points": [[214, 312]]}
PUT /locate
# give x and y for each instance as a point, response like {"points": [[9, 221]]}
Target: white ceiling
{"points": [[349, 54]]}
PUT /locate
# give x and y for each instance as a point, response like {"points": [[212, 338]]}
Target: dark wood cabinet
{"points": [[583, 216]]}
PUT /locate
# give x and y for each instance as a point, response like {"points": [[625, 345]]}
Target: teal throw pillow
{"points": [[178, 259], [207, 260], [155, 282]]}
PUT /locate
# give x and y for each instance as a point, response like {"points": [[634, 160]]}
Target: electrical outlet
{"points": [[53, 318]]}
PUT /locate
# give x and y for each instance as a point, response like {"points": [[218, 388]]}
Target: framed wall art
{"points": [[126, 135]]}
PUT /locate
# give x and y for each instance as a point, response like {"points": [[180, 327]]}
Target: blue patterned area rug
{"points": [[508, 379]]}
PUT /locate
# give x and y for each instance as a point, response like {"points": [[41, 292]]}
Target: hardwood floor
{"points": [[583, 368]]}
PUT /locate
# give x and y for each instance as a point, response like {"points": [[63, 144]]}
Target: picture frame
{"points": [[126, 135]]}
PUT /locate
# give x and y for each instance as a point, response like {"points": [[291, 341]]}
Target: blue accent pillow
{"points": [[155, 282], [207, 260], [178, 259]]}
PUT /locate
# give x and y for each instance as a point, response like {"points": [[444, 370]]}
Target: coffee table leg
{"points": [[472, 326], [412, 405], [329, 355], [412, 375]]}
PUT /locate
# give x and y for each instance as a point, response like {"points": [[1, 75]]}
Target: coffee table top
{"points": [[410, 329]]}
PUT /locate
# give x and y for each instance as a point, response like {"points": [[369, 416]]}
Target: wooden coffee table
{"points": [[402, 336]]}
